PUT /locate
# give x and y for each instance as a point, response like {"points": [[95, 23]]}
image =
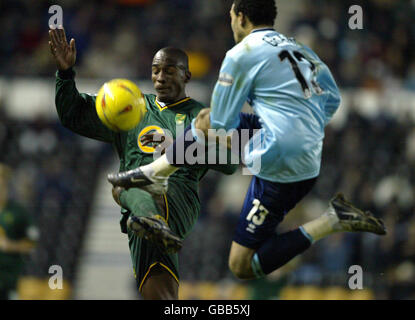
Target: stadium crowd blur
{"points": [[124, 38], [371, 160]]}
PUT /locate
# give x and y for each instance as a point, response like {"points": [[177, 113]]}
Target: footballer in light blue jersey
{"points": [[293, 96], [291, 91]]}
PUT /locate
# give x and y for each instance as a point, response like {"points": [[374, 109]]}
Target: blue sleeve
{"points": [[333, 98], [327, 82], [231, 92]]}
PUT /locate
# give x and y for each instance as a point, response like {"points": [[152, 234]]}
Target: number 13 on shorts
{"points": [[256, 216]]}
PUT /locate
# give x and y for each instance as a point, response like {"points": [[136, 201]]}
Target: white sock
{"points": [[323, 226], [159, 168]]}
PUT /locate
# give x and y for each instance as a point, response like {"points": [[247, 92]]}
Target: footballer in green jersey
{"points": [[18, 237], [156, 270]]}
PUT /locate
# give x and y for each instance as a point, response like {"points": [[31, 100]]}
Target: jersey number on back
{"points": [[294, 65]]}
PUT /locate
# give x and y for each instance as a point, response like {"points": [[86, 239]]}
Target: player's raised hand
{"points": [[63, 52]]}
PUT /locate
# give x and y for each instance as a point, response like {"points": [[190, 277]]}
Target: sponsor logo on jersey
{"points": [[150, 148]]}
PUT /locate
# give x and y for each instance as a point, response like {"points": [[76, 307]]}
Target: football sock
{"points": [[321, 227], [160, 168], [278, 250]]}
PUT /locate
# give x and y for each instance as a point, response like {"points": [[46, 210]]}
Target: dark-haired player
{"points": [[156, 224], [294, 96]]}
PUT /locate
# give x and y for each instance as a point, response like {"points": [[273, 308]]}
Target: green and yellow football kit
{"points": [[180, 206], [15, 224]]}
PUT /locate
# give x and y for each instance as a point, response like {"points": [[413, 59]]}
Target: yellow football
{"points": [[120, 105]]}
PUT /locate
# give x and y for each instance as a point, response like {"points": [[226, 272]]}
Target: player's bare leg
{"points": [[240, 258], [160, 285]]}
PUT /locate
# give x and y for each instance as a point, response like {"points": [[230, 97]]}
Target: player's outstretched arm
{"points": [[76, 110]]}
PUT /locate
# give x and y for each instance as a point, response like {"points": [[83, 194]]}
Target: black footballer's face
{"points": [[169, 78]]}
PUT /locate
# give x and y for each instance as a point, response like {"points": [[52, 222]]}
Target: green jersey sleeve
{"points": [[76, 110]]}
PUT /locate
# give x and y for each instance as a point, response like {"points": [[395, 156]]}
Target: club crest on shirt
{"points": [[225, 79], [151, 147]]}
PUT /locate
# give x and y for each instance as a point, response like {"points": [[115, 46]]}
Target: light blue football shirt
{"points": [[292, 92]]}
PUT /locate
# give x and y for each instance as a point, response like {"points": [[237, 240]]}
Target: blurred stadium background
{"points": [[369, 151]]}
